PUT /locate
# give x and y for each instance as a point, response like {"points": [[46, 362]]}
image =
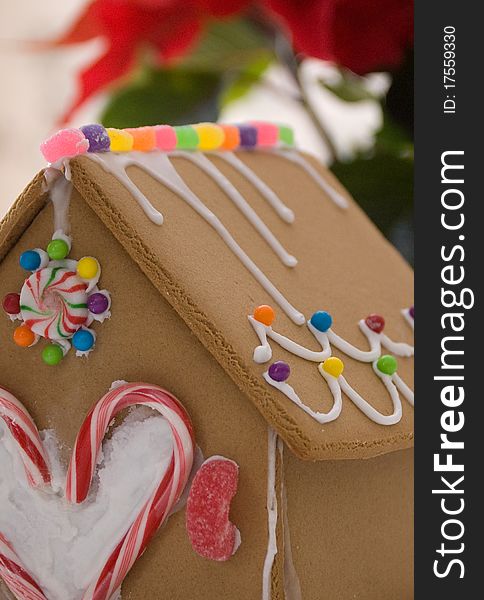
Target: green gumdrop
{"points": [[57, 249], [186, 137], [286, 135], [387, 364], [52, 354]]}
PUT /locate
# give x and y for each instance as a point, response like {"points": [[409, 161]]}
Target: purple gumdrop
{"points": [[279, 371], [248, 136], [411, 312], [97, 303], [98, 138]]}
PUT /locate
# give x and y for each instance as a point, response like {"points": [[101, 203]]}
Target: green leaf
{"points": [[243, 81], [349, 88], [393, 139], [172, 96]]}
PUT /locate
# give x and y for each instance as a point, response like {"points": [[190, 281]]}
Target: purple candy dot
{"points": [[98, 138], [411, 312], [279, 371], [248, 136], [97, 303]]}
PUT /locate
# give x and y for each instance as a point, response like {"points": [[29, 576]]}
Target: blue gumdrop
{"points": [[321, 320], [83, 340], [30, 260]]}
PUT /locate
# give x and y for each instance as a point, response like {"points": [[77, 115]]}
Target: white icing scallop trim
{"points": [[160, 168]]}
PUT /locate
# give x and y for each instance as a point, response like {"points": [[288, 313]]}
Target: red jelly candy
{"points": [[375, 322], [211, 533]]}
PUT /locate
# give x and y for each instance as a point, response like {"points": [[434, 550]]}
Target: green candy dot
{"points": [[186, 137], [286, 135], [387, 364], [57, 249], [52, 354]]}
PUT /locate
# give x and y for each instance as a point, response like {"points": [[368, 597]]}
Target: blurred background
{"points": [[339, 71]]}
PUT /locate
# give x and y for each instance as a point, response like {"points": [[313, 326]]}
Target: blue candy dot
{"points": [[83, 340], [321, 320], [30, 260]]}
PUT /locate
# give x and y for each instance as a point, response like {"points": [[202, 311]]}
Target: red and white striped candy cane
{"points": [[80, 473]]}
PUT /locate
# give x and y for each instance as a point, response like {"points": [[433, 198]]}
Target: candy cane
{"points": [[80, 473]]}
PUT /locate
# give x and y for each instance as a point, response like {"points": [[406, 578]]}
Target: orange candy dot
{"points": [[144, 138], [23, 336], [232, 137], [265, 314]]}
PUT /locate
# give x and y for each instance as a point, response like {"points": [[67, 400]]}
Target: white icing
{"points": [[296, 158], [240, 202], [397, 348], [354, 352], [406, 392], [44, 258], [271, 514], [62, 545], [408, 318], [264, 190], [158, 165], [60, 189]]}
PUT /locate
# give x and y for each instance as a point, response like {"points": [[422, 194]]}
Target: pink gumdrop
{"points": [[267, 133], [64, 144], [211, 533], [165, 138]]}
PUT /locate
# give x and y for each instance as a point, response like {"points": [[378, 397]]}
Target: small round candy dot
{"points": [[97, 303], [58, 249], [30, 260], [231, 137], [23, 336], [87, 268], [63, 144], [83, 340], [144, 138], [210, 136], [52, 354], [387, 364], [411, 312], [333, 366], [321, 320], [375, 322], [279, 371], [165, 137], [98, 138], [186, 137], [11, 304], [286, 135], [121, 141], [248, 136], [265, 314], [267, 134]]}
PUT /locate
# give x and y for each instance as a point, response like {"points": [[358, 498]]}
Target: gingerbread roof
{"points": [[344, 266]]}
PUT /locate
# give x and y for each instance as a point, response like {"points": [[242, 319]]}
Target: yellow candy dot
{"points": [[211, 136], [121, 141], [333, 366], [87, 267]]}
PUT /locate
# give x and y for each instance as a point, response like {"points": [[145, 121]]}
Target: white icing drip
{"points": [[397, 348], [160, 168], [240, 202], [406, 315], [60, 189], [271, 514], [350, 350], [265, 191], [320, 417], [296, 158]]}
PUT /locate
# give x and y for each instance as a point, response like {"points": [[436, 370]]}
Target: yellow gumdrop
{"points": [[211, 136], [87, 267], [121, 141], [333, 366]]}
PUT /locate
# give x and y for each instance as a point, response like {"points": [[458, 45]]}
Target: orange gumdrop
{"points": [[265, 314], [144, 138], [23, 336], [232, 137]]}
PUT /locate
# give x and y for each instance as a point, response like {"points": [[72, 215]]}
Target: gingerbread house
{"points": [[239, 275]]}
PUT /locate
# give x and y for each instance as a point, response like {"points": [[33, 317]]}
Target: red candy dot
{"points": [[375, 322], [265, 314], [211, 533], [11, 304]]}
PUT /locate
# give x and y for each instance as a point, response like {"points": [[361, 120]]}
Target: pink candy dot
{"points": [[267, 133], [165, 138], [64, 144]]}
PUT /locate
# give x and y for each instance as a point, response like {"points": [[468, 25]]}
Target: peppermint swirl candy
{"points": [[53, 303]]}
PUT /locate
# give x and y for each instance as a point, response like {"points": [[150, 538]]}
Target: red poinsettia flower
{"points": [[167, 27], [362, 35]]}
